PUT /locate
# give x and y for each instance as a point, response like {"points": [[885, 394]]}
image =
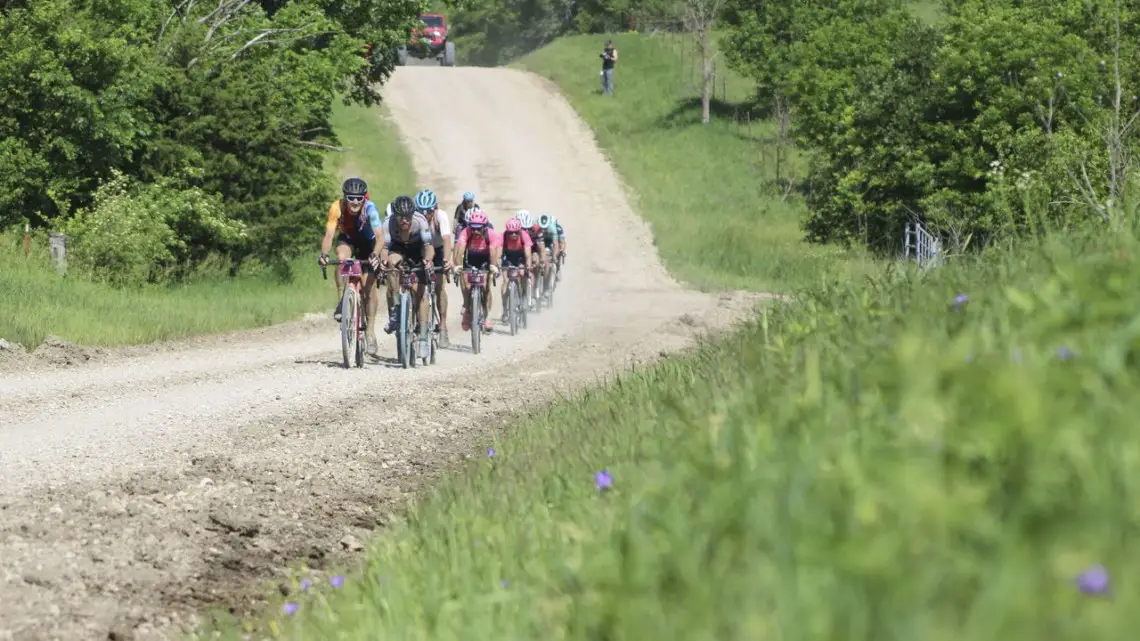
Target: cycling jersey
{"points": [[440, 227], [549, 234], [418, 234], [354, 229], [478, 246], [461, 214], [516, 245]]}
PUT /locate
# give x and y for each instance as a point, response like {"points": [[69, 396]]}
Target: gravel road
{"points": [[141, 486]]}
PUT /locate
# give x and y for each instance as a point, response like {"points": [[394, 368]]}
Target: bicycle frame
{"points": [[352, 331]]}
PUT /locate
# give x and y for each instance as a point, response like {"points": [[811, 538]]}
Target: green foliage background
{"points": [[208, 118]]}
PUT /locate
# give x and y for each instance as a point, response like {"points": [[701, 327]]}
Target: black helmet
{"points": [[403, 207], [355, 187]]}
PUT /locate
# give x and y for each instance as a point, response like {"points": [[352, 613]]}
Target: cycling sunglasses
{"points": [[354, 199]]}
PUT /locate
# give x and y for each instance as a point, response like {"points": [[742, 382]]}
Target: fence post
{"points": [[59, 252]]}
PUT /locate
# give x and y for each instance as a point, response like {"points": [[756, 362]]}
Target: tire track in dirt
{"points": [[136, 491]]}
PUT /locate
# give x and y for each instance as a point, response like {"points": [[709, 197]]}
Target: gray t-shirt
{"points": [[420, 232]]}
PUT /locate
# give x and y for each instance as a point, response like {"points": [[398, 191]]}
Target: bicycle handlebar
{"points": [[365, 266]]}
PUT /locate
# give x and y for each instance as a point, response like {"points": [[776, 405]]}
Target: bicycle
{"points": [[516, 307], [548, 282], [352, 322], [406, 345], [536, 281], [477, 282], [430, 344]]}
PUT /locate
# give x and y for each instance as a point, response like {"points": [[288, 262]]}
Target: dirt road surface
{"points": [[145, 485]]}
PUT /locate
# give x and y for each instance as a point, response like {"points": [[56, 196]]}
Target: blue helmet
{"points": [[469, 195], [546, 221], [425, 200]]}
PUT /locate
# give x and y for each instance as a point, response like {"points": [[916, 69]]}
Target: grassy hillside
{"points": [[39, 302], [926, 456], [710, 191]]}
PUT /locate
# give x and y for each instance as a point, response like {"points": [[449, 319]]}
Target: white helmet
{"points": [[525, 218]]}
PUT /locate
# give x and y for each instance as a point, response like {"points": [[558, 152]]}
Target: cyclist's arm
{"points": [[374, 221], [496, 246], [426, 238], [330, 227], [387, 236], [528, 246], [445, 234], [460, 245]]}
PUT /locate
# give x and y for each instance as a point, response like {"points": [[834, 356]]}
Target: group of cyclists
{"points": [[418, 233]]}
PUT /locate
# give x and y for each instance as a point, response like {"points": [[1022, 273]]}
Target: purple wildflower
{"points": [[290, 608], [1093, 580], [959, 301], [305, 585], [603, 480], [1064, 353], [504, 583], [490, 452], [337, 581]]}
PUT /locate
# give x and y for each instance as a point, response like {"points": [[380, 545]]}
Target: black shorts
{"points": [[361, 247], [514, 259], [411, 252], [480, 261], [437, 260]]}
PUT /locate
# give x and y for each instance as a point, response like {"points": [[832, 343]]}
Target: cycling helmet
{"points": [[355, 187], [426, 200], [469, 195], [403, 207], [513, 225], [477, 219], [546, 221], [524, 218]]}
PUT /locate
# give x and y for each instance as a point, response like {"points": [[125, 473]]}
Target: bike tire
{"points": [[513, 307], [524, 303], [538, 292], [402, 331], [348, 315], [548, 287], [433, 340], [413, 336], [476, 318]]}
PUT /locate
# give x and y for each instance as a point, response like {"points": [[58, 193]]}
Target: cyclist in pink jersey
{"points": [[480, 247]]}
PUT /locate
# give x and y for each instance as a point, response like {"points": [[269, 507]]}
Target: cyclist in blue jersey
{"points": [[554, 238]]}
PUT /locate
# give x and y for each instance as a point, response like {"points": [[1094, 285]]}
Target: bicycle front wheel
{"points": [[402, 330], [513, 307], [476, 318], [349, 313]]}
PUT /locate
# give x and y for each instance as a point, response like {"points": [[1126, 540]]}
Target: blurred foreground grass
{"points": [[927, 456]]}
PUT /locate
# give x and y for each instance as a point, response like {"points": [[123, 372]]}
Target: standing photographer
{"points": [[609, 56]]}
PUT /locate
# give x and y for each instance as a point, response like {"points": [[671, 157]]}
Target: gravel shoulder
{"points": [[139, 486]]}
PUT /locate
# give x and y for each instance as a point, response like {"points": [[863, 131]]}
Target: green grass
{"points": [[710, 192], [872, 463], [38, 302]]}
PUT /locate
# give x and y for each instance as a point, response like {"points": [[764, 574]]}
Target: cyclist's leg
{"points": [[489, 295], [342, 251], [368, 293], [395, 257], [441, 296], [465, 290], [504, 263]]}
